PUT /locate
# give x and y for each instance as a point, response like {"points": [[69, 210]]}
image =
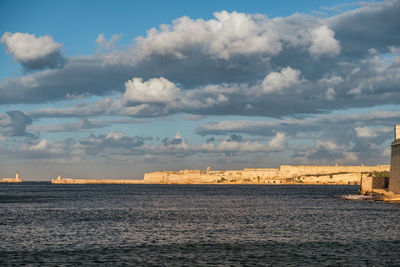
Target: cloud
{"points": [[34, 53], [226, 36], [345, 139], [327, 152], [111, 141], [278, 142], [14, 123], [323, 42], [156, 90], [117, 146], [82, 125], [177, 140], [302, 125], [103, 44], [330, 93], [374, 25], [275, 82], [365, 132], [216, 72]]}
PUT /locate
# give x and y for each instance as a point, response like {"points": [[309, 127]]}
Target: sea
{"points": [[194, 225]]}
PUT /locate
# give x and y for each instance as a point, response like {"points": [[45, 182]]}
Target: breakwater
{"points": [[95, 181], [15, 179], [11, 180]]}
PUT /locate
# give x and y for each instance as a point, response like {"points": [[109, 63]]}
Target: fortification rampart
{"points": [[286, 174]]}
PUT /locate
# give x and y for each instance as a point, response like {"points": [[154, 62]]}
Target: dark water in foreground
{"points": [[44, 224]]}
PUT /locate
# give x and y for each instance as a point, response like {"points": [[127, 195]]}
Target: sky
{"points": [[114, 89]]}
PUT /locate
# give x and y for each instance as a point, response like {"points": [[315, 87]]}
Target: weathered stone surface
{"points": [[369, 184], [343, 175], [394, 183], [286, 174]]}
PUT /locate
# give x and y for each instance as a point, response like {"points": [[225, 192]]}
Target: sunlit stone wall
{"points": [[394, 182]]}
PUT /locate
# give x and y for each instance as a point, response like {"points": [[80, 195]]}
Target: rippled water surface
{"points": [[44, 224]]}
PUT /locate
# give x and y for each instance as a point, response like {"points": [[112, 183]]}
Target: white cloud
{"points": [[278, 142], [323, 42], [331, 80], [156, 90], [115, 135], [31, 51], [227, 35], [365, 132], [275, 82], [234, 146]]}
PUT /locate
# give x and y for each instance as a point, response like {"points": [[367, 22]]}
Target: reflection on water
{"points": [[194, 225]]}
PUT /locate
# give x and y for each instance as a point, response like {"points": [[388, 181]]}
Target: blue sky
{"points": [[115, 89]]}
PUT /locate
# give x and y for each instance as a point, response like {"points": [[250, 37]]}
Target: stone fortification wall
{"points": [[285, 175], [394, 182], [345, 178], [369, 183], [287, 170]]}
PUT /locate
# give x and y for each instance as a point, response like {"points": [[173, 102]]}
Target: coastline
{"points": [[285, 175]]}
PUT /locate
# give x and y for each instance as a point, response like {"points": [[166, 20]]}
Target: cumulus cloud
{"points": [[156, 90], [34, 53], [278, 142], [308, 56], [275, 82], [323, 42], [227, 35]]}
